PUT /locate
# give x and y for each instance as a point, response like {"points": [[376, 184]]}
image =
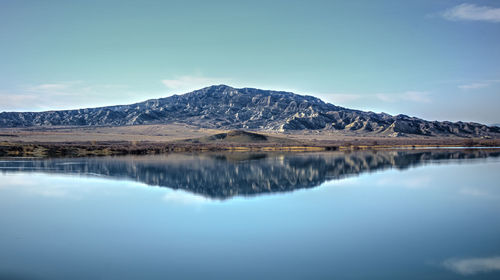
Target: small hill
{"points": [[240, 137]]}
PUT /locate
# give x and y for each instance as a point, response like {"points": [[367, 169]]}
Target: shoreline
{"points": [[85, 149], [172, 138]]}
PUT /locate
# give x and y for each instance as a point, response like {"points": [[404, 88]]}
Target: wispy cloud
{"points": [[31, 186], [183, 84], [417, 96], [472, 12], [413, 182], [478, 85], [476, 192], [65, 95], [469, 266], [480, 192], [473, 86], [60, 86], [386, 97], [343, 99], [413, 96], [60, 95], [182, 197]]}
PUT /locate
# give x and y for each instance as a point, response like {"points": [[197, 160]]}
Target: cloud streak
{"points": [[470, 266], [60, 86], [67, 95], [473, 86], [472, 12], [187, 83], [182, 197], [336, 98], [415, 182], [412, 96], [478, 85]]}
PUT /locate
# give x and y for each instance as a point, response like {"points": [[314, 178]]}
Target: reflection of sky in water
{"points": [[435, 220], [469, 266]]}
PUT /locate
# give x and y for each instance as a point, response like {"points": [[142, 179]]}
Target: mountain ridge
{"points": [[225, 107]]}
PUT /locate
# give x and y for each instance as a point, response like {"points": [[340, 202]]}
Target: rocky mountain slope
{"points": [[224, 107]]}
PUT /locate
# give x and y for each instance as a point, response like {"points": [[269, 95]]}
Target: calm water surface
{"points": [[363, 215]]}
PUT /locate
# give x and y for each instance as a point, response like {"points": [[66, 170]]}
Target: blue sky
{"points": [[434, 59]]}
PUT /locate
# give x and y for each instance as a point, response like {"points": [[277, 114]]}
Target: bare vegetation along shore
{"points": [[157, 139]]}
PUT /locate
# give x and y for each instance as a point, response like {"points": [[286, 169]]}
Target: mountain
{"points": [[224, 107]]}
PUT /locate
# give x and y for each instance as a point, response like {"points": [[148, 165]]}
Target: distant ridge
{"points": [[224, 107]]}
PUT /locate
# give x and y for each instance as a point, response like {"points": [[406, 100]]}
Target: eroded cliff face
{"points": [[222, 176], [224, 107]]}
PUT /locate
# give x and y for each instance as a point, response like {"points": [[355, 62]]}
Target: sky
{"points": [[433, 59]]}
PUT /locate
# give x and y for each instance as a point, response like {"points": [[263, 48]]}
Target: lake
{"points": [[416, 214]]}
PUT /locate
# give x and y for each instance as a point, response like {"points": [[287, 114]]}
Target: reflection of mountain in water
{"points": [[226, 175]]}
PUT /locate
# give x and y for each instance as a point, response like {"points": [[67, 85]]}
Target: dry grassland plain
{"points": [[152, 139]]}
